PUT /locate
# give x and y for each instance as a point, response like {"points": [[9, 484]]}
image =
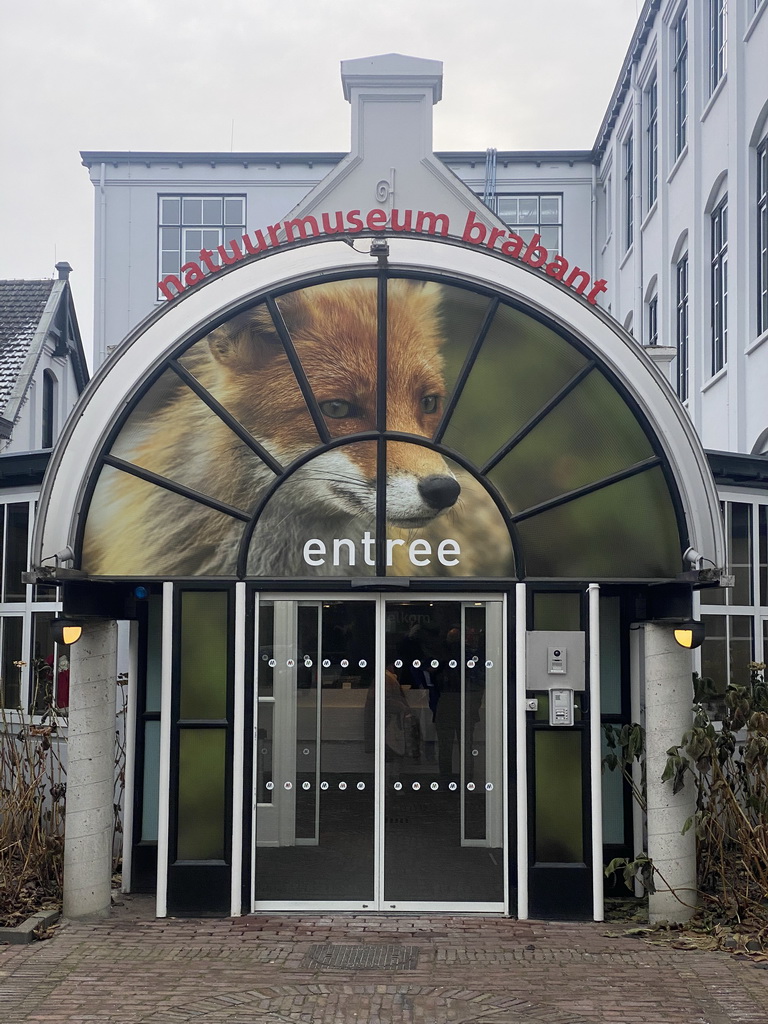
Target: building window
{"points": [[629, 215], [49, 409], [529, 215], [718, 37], [680, 35], [681, 325], [762, 236], [187, 224], [719, 284], [653, 321], [652, 140]]}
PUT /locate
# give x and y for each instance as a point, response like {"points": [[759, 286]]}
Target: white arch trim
{"points": [[119, 378]]}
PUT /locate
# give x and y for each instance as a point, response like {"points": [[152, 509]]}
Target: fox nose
{"points": [[439, 491]]}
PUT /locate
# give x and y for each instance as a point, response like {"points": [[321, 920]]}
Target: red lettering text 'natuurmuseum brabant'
{"points": [[352, 222]]}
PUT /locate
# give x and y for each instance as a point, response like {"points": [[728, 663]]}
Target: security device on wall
{"points": [[556, 663]]}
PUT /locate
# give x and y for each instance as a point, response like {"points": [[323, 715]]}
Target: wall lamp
{"points": [[690, 634], [66, 631]]}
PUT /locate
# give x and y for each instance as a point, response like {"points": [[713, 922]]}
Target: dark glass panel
{"points": [[173, 433], [450, 320], [442, 757], [763, 535], [591, 434], [202, 795], [625, 530], [170, 210], [154, 653], [714, 652], [135, 528], [43, 692], [150, 802], [244, 366], [265, 737], [440, 520], [741, 552], [308, 660], [521, 365], [558, 798], [16, 534], [557, 610], [203, 654], [11, 627], [740, 648], [610, 655]]}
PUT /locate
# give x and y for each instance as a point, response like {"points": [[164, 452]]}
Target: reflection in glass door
{"points": [[378, 755]]}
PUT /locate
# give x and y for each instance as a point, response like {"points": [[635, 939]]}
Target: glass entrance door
{"points": [[378, 754]]}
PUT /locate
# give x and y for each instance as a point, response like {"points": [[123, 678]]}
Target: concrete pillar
{"points": [[90, 772], [668, 700]]}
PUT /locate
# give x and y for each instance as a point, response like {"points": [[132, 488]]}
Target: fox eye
{"points": [[430, 404], [337, 409]]}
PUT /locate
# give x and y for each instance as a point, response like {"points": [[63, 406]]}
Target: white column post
{"points": [[521, 750], [596, 753], [668, 699], [90, 772]]}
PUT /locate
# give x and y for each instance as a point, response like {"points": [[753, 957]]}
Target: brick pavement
{"points": [[133, 969]]}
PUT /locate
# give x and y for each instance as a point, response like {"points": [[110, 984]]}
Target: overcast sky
{"points": [[264, 75]]}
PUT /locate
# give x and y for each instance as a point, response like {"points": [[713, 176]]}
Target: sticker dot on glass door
{"points": [[323, 785], [305, 785], [344, 663], [434, 663], [471, 663], [416, 785], [288, 785], [305, 750], [361, 785], [307, 663], [326, 662], [452, 786], [474, 753], [433, 785], [398, 786], [489, 786], [489, 664], [398, 663], [452, 663], [417, 663], [362, 663], [470, 786], [272, 663], [270, 786], [290, 663], [342, 785]]}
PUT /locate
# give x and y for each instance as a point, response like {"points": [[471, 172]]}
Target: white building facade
{"points": [[649, 248]]}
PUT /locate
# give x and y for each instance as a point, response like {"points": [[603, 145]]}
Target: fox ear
{"points": [[250, 340]]}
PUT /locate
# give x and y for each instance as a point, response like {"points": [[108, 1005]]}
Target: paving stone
{"points": [[133, 969]]}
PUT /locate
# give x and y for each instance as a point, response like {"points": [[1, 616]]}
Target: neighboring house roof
{"points": [[31, 312]]}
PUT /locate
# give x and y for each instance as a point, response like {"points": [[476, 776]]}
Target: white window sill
{"points": [[714, 379], [676, 164], [757, 343], [649, 214], [627, 256], [606, 243], [714, 97], [755, 18]]}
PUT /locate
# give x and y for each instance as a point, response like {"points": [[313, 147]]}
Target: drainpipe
{"points": [[593, 223], [101, 353], [638, 320]]}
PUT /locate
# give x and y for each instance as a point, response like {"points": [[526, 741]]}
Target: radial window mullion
{"points": [[466, 369], [301, 376], [171, 485]]}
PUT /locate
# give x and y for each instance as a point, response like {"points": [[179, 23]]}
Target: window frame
{"points": [[761, 223], [680, 75], [682, 325], [538, 196], [628, 177], [651, 110], [718, 280], [718, 42], [225, 232]]}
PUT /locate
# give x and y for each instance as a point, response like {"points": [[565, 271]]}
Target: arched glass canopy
{"points": [[382, 425]]}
